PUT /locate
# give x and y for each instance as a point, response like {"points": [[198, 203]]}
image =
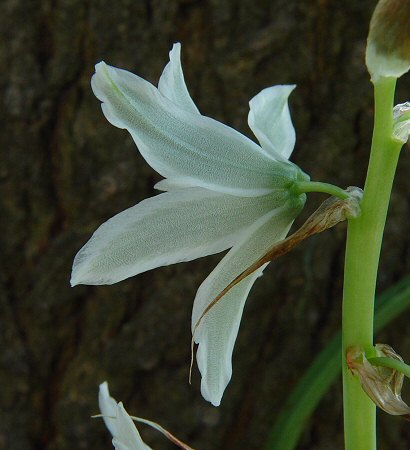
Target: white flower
{"points": [[121, 425], [224, 191], [125, 435]]}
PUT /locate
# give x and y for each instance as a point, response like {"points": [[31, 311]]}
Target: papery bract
{"points": [[401, 119], [382, 384]]}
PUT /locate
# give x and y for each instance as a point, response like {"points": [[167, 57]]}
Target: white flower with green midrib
{"points": [[223, 191]]}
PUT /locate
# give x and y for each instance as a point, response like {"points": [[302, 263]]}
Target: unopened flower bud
{"points": [[388, 43]]}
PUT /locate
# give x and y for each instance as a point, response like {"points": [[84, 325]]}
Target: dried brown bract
{"points": [[382, 384]]}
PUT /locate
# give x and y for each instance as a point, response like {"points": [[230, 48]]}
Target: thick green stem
{"points": [[364, 238]]}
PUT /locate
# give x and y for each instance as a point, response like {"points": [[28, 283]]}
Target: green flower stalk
{"points": [[387, 58]]}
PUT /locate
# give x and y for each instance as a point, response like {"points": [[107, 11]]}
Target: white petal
{"points": [[170, 184], [172, 84], [171, 227], [108, 408], [119, 423], [180, 144], [218, 329], [128, 437], [269, 119]]}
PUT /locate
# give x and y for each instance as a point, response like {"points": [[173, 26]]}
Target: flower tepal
{"points": [[222, 191], [119, 423]]}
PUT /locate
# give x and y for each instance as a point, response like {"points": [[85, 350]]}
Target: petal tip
{"points": [[101, 70], [212, 398], [176, 47], [104, 386], [74, 281], [216, 402], [100, 65], [76, 278]]}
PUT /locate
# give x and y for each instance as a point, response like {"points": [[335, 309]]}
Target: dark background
{"points": [[64, 170]]}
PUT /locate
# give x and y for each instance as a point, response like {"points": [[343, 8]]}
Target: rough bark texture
{"points": [[64, 170]]}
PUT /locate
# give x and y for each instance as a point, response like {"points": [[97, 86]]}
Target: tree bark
{"points": [[64, 170]]}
